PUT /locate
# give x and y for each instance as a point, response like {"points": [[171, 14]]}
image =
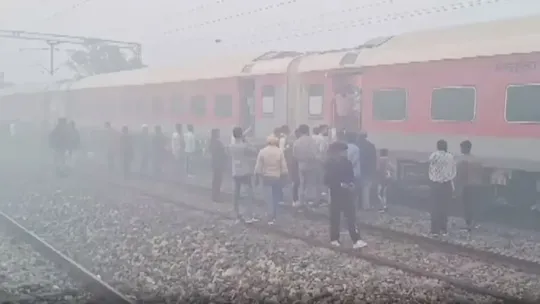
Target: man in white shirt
{"points": [[442, 171], [190, 147], [177, 144]]}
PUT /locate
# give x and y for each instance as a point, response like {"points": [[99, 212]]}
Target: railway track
{"points": [[159, 194], [101, 291], [434, 244]]}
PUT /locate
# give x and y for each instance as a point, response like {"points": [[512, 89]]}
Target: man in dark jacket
{"points": [[368, 165], [339, 177]]}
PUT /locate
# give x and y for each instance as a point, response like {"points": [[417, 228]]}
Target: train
{"points": [[479, 82]]}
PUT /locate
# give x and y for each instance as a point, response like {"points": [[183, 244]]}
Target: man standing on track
{"points": [[469, 182], [158, 151], [305, 152], [320, 141], [126, 151], [111, 145], [271, 169], [242, 172], [145, 150], [368, 163], [190, 147], [339, 177], [59, 141], [177, 147], [442, 171], [219, 163], [353, 155]]}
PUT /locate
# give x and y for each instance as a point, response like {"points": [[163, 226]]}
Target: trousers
{"points": [[342, 202], [441, 198], [239, 181]]}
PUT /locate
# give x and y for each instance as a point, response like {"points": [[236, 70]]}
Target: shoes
{"points": [[251, 220], [271, 222], [335, 243], [359, 244], [296, 204]]}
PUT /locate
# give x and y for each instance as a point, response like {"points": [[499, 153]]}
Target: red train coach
{"points": [[478, 82], [247, 92]]}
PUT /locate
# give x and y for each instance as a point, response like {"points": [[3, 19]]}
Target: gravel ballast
{"points": [[146, 248]]}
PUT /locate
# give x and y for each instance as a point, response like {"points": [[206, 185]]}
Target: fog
{"points": [[173, 32]]}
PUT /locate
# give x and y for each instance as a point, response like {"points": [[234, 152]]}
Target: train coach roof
{"points": [[502, 37], [203, 69], [327, 61], [270, 63]]}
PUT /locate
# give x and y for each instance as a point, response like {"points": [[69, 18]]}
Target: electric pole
{"points": [[53, 40]]}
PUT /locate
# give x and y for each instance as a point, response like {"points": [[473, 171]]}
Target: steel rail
{"points": [[89, 281], [462, 284], [520, 264]]}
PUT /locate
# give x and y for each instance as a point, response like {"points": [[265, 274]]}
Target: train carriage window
{"points": [[268, 100], [523, 103], [157, 106], [223, 106], [315, 99], [198, 105], [176, 104], [390, 105], [453, 104]]}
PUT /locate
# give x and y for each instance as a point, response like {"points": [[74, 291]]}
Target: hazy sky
{"points": [[176, 31]]}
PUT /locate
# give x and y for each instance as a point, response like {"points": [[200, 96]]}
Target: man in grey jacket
{"points": [[305, 151], [242, 155]]}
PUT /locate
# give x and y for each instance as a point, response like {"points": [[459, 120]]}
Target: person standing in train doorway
{"points": [[219, 163], [190, 147], [305, 152], [177, 148], [468, 182], [442, 171]]}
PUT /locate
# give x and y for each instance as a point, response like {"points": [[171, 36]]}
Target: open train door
{"points": [[347, 102], [247, 104]]}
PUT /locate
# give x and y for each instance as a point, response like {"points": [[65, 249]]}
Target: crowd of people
{"points": [[318, 166]]}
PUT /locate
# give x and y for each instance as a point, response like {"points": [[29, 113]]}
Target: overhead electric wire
{"points": [[174, 16], [323, 15], [343, 25], [73, 7], [279, 4]]}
